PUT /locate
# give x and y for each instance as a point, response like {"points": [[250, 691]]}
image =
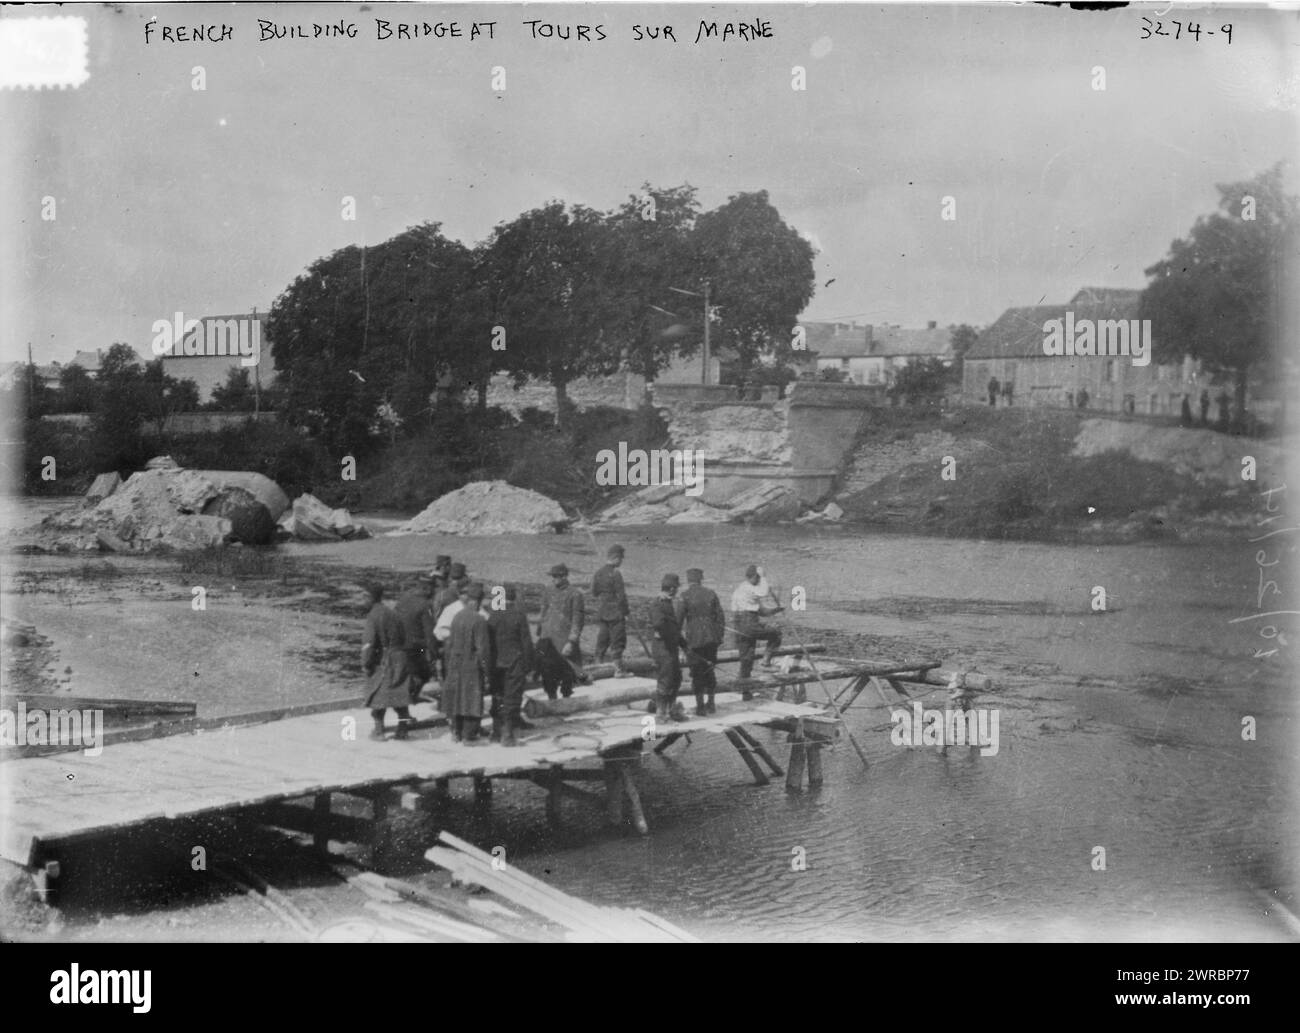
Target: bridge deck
{"points": [[51, 799]]}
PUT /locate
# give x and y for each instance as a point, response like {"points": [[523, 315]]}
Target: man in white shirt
{"points": [[750, 602]]}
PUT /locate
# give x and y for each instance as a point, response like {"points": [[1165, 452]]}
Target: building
{"points": [[1011, 351], [206, 355], [873, 355]]}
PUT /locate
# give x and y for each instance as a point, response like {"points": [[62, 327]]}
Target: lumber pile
{"points": [[584, 922]]}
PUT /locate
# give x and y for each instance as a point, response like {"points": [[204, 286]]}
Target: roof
{"points": [[904, 341], [89, 361], [1018, 332], [835, 340]]}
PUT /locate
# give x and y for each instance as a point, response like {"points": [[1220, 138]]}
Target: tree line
{"points": [[365, 339]]}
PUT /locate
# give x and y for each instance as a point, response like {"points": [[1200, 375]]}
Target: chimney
{"points": [[931, 325]]}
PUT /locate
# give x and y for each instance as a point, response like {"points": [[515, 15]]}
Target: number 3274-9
{"points": [[1192, 29]]}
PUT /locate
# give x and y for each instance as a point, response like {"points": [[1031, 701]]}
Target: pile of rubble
{"points": [[310, 520], [488, 508], [165, 506], [669, 504]]}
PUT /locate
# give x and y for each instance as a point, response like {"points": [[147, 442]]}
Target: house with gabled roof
{"points": [[872, 354], [1010, 351]]}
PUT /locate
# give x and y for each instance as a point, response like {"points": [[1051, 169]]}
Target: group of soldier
{"points": [[446, 625]]}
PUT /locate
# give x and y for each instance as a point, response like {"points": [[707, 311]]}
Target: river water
{"points": [[1120, 731]]}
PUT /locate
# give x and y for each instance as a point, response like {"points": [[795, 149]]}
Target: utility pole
{"points": [[31, 380], [704, 373], [257, 370]]}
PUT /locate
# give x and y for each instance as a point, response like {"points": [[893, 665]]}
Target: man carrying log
{"points": [[559, 628], [665, 644], [513, 657], [383, 658], [610, 596], [469, 659], [415, 610], [700, 615], [750, 603]]}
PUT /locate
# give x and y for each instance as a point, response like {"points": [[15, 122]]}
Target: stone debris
{"points": [[669, 504], [830, 514], [310, 520], [875, 462], [170, 507], [731, 433], [488, 508], [104, 485]]}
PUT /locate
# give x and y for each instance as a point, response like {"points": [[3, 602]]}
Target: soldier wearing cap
{"points": [[610, 596], [750, 602], [665, 645], [559, 628], [700, 615], [469, 659]]}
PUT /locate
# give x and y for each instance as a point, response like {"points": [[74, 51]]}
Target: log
{"points": [[623, 692], [645, 666], [942, 675], [798, 760], [758, 748], [760, 778]]}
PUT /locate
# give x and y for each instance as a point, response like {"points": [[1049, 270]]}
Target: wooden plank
{"points": [[633, 798]]}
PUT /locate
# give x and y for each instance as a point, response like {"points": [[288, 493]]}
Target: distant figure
{"points": [[1130, 404], [558, 632], [703, 627], [1205, 408], [1185, 417], [1222, 402], [383, 658], [610, 596], [1069, 399], [665, 645], [469, 658], [1008, 391], [993, 391], [1083, 398], [513, 657]]}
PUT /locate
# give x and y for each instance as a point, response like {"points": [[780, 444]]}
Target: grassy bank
{"points": [[1013, 476]]}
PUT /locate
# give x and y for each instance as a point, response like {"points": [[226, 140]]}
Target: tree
{"points": [[549, 284], [365, 327], [922, 379], [236, 394], [760, 271], [77, 389], [1217, 295], [963, 339], [652, 255], [121, 408]]}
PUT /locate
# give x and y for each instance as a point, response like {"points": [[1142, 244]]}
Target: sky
{"points": [[169, 198]]}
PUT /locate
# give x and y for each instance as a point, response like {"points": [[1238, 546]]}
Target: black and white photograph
{"points": [[671, 473]]}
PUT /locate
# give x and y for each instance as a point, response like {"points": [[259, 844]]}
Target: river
{"points": [[1123, 801]]}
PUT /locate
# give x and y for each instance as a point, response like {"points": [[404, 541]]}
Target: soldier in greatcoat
{"points": [[383, 657], [558, 632], [469, 659]]}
